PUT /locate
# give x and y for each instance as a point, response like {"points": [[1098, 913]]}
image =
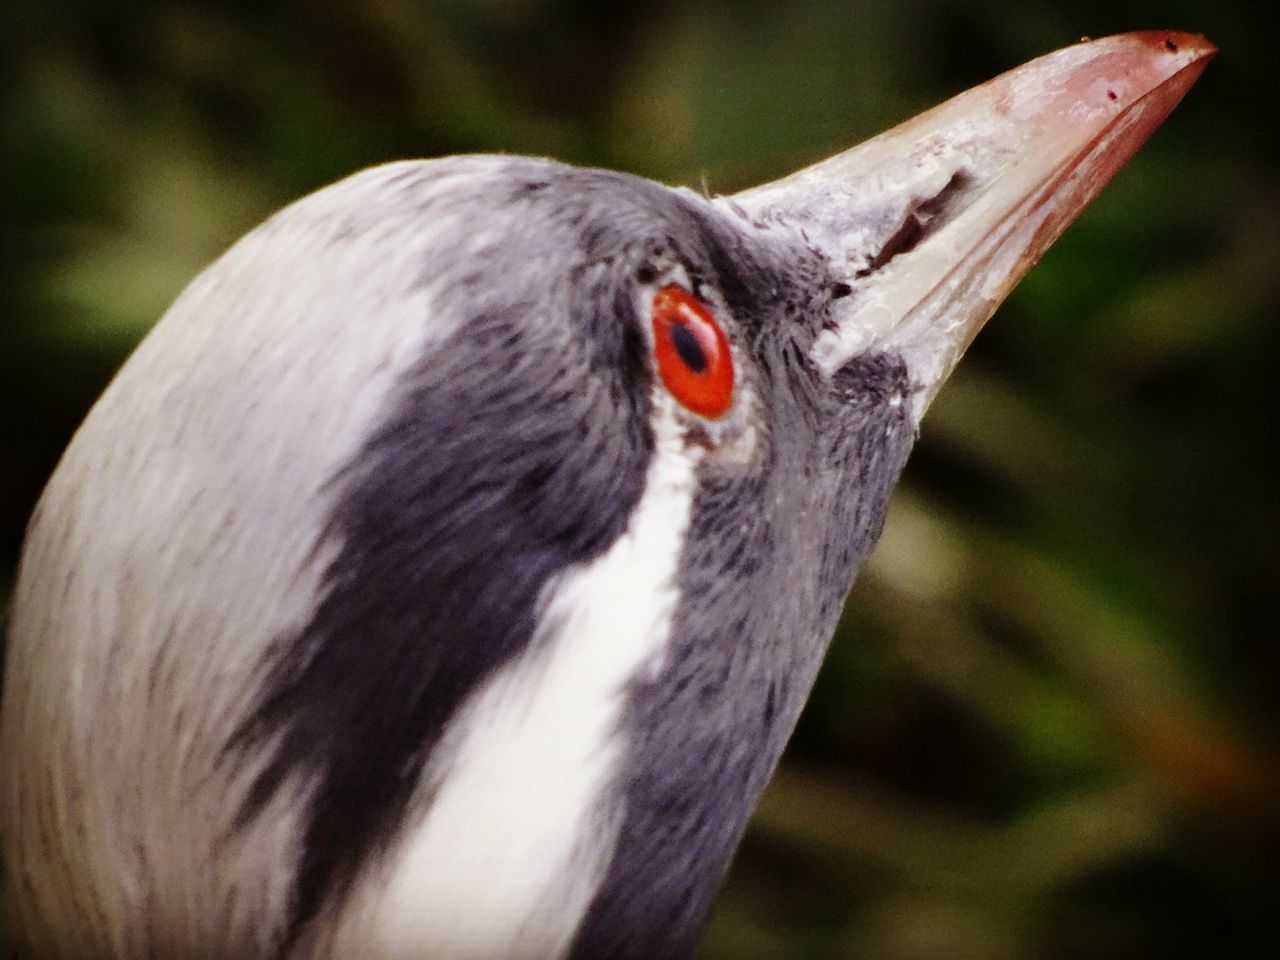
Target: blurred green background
{"points": [[1048, 726]]}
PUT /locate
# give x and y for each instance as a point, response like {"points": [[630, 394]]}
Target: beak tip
{"points": [[1096, 80], [1191, 46], [1175, 53]]}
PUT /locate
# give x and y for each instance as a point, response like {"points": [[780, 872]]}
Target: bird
{"points": [[444, 574]]}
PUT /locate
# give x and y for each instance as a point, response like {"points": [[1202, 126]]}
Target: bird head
{"points": [[447, 570]]}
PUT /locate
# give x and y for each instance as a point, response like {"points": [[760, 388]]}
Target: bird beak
{"points": [[932, 223]]}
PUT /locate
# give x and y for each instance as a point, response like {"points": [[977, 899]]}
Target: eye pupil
{"points": [[688, 347]]}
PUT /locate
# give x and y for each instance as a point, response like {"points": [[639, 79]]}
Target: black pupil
{"points": [[688, 347]]}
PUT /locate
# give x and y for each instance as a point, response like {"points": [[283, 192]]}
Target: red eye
{"points": [[692, 352]]}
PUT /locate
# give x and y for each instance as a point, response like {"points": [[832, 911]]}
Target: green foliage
{"points": [[1047, 726]]}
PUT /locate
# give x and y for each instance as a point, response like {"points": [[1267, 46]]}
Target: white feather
{"points": [[174, 542], [521, 826]]}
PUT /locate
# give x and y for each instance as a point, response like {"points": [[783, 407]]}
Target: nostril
{"points": [[926, 216], [902, 241]]}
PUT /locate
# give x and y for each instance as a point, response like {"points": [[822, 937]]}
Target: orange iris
{"points": [[692, 352]]}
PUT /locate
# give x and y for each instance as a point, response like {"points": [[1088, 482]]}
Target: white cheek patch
{"points": [[521, 825]]}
